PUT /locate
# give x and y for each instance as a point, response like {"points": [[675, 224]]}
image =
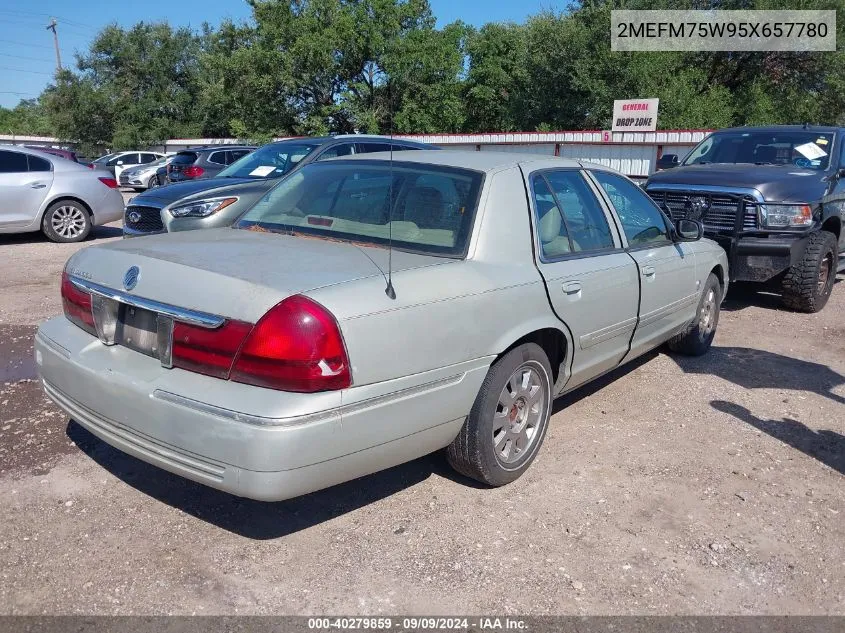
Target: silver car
{"points": [[61, 198], [366, 312], [143, 177]]}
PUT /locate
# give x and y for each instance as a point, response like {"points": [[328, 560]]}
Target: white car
{"points": [[143, 176], [63, 199]]}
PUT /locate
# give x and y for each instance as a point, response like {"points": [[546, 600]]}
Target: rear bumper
{"points": [[109, 209], [248, 441], [760, 259]]}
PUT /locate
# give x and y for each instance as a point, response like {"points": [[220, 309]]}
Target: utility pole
{"points": [[52, 27]]}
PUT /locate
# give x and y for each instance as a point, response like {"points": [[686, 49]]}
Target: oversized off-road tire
{"points": [[66, 221], [508, 421], [697, 338], [808, 283]]}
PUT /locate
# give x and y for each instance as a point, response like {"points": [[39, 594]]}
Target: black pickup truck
{"points": [[773, 197]]}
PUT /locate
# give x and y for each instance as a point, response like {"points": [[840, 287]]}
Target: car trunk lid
{"points": [[237, 274]]}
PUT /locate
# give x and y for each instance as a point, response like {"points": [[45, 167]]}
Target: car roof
{"points": [[59, 165], [479, 161], [211, 148], [781, 128]]}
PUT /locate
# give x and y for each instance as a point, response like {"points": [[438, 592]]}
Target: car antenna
{"points": [[389, 291]]}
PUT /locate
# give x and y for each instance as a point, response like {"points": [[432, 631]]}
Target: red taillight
{"points": [[77, 305], [296, 346], [205, 351], [111, 183], [91, 166], [193, 172]]}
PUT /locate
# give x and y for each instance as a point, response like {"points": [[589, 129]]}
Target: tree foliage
{"points": [[303, 67]]}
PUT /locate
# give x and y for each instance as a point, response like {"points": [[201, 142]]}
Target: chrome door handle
{"points": [[648, 271], [571, 287], [38, 185]]}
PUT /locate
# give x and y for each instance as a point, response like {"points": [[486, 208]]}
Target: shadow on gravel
{"points": [[826, 446], [256, 519], [36, 237], [758, 369], [600, 383], [743, 295]]}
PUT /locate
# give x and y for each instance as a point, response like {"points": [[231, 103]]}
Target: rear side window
{"points": [[148, 158], [12, 162], [238, 153], [218, 158], [36, 163], [423, 208], [641, 220], [184, 158], [569, 217], [341, 149]]}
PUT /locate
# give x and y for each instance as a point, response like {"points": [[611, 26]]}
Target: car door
{"points": [[24, 185], [591, 281], [668, 284]]}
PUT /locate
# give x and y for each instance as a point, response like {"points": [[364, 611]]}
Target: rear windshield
{"points": [[422, 208], [798, 148], [270, 161], [184, 158]]}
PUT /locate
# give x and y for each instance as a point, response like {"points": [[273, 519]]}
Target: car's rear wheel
{"points": [[807, 284], [508, 421], [66, 221], [698, 337]]}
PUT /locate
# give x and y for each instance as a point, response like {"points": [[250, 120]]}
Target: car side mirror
{"points": [[668, 161], [688, 230]]}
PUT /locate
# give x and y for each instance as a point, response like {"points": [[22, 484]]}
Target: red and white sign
{"points": [[635, 115]]}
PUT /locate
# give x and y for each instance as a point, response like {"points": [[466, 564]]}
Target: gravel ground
{"points": [[674, 486]]}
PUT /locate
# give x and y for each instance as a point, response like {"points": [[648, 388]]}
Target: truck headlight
{"points": [[200, 208], [785, 215]]}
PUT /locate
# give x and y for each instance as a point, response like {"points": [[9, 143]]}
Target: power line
{"points": [[47, 15], [32, 59], [24, 70], [25, 44]]}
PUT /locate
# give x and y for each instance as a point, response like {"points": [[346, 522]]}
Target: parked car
{"points": [[774, 198], [118, 161], [55, 151], [219, 201], [204, 162], [144, 176], [41, 192], [366, 312]]}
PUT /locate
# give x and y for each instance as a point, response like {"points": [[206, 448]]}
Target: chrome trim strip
{"points": [[194, 317], [670, 308], [605, 334], [308, 418]]}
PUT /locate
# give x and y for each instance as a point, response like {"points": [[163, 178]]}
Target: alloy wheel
{"points": [[519, 414], [68, 221]]}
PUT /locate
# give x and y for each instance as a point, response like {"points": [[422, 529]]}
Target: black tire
{"points": [[153, 182], [66, 221], [807, 285], [475, 452], [697, 338]]}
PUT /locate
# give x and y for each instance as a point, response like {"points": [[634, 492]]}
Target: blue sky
{"points": [[27, 57]]}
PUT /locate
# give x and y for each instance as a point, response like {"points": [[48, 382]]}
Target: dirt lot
{"points": [[693, 486]]}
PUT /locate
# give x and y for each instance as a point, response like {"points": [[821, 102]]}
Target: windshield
{"points": [[270, 161], [799, 148], [157, 162], [431, 208]]}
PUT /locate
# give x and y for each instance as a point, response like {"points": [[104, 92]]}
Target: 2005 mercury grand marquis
{"points": [[369, 311]]}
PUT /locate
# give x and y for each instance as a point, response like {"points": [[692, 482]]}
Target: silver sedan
{"points": [[63, 199], [369, 311]]}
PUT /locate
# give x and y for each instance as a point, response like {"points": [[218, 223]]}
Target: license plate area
{"points": [[144, 331], [137, 329]]}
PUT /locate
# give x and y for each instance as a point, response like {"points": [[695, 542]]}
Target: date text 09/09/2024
{"points": [[417, 623]]}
